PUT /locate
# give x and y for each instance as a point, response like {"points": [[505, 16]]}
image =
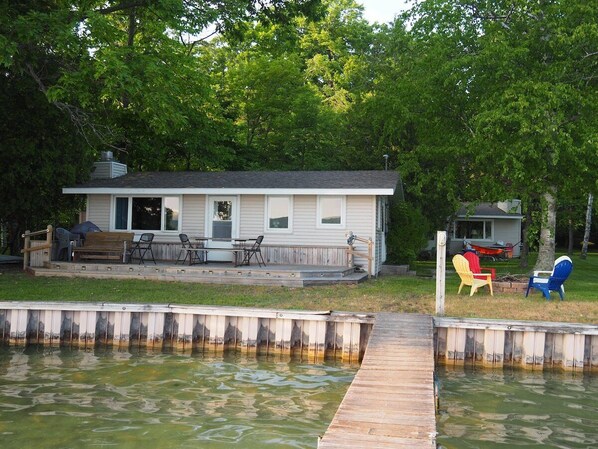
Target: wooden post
{"points": [[440, 271], [26, 246], [47, 254]]}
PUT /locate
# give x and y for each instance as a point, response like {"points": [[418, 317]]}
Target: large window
{"points": [[279, 213], [147, 213], [473, 230], [331, 211]]}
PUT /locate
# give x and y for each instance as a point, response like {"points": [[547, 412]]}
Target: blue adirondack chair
{"points": [[561, 271]]}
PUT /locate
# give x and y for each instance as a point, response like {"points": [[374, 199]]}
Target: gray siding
{"points": [[98, 211], [108, 170], [194, 215], [252, 210], [360, 219]]}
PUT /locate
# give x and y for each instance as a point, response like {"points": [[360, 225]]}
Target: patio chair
{"points": [[554, 282], [474, 266], [467, 277], [193, 253], [252, 251], [64, 243], [143, 246]]}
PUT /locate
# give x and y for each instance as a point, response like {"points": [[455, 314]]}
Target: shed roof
{"points": [[485, 210], [363, 182]]}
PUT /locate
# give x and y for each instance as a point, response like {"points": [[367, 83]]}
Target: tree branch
{"points": [[80, 119], [123, 6]]}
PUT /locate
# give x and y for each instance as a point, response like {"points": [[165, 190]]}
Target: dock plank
{"points": [[390, 402]]}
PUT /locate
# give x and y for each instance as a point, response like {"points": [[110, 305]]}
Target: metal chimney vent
{"points": [[106, 156]]}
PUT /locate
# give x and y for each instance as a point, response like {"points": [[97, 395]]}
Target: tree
{"points": [[586, 234], [79, 77], [508, 90], [41, 152]]}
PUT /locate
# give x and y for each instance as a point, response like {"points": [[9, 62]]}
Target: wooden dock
{"points": [[391, 402]]}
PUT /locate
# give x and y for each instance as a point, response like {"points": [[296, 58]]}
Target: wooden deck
{"points": [[212, 273], [391, 402]]}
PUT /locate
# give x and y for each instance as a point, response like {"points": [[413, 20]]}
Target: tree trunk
{"points": [[547, 232], [570, 237], [586, 234], [524, 254]]}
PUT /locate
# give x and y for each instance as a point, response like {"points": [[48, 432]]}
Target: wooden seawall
{"points": [[315, 335], [526, 344], [391, 401]]}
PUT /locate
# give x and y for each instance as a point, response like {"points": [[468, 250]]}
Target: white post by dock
{"points": [[440, 271]]}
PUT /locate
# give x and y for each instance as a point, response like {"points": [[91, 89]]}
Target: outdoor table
{"points": [[237, 247]]}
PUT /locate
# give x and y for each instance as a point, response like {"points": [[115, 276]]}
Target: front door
{"points": [[223, 225]]}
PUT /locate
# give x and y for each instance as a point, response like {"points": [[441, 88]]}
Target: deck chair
{"points": [[193, 253], [64, 243], [254, 250], [142, 247], [474, 266], [554, 282], [467, 277]]}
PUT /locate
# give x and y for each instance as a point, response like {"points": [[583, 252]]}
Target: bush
{"points": [[408, 233]]}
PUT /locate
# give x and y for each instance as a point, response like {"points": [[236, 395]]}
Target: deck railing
{"points": [[352, 252], [31, 247]]}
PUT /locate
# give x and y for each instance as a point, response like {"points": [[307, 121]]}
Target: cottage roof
{"points": [[364, 182], [485, 210]]}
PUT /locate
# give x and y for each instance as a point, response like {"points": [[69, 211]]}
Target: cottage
{"points": [[305, 216], [487, 225]]}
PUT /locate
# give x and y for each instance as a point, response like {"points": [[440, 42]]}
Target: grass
{"points": [[387, 293]]}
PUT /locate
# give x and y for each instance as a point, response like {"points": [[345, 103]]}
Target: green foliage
{"points": [[408, 234], [470, 101], [41, 152]]}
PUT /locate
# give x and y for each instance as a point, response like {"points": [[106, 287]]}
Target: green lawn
{"points": [[387, 293]]}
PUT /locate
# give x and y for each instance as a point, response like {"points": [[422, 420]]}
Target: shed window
{"points": [[279, 213], [473, 229], [331, 211]]}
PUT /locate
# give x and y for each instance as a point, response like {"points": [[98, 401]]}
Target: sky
{"points": [[383, 11]]}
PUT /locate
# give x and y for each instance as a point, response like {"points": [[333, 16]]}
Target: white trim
{"points": [[267, 228], [374, 237], [224, 191], [236, 222], [343, 217]]}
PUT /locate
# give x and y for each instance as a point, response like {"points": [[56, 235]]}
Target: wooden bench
{"points": [[105, 246]]}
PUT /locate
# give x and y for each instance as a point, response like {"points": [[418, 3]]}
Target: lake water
{"points": [[65, 398], [517, 409]]}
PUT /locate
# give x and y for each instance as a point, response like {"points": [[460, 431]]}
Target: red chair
{"points": [[474, 266]]}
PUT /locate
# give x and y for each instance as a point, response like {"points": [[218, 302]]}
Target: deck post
{"points": [[26, 246]]}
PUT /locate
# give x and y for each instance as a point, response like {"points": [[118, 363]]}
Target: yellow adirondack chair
{"points": [[467, 278]]}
